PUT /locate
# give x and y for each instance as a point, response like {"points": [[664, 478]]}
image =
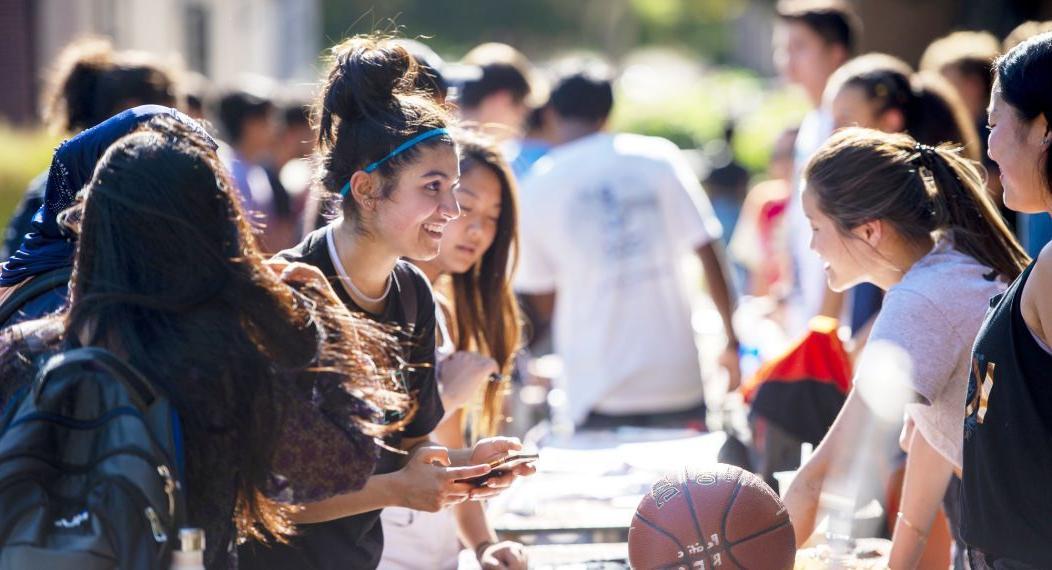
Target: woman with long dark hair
{"points": [[916, 221], [387, 153], [478, 336], [1006, 497], [169, 277]]}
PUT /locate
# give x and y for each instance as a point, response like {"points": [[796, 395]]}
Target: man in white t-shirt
{"points": [[607, 220]]}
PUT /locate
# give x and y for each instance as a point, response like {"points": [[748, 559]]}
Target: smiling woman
{"points": [[915, 221], [386, 151]]}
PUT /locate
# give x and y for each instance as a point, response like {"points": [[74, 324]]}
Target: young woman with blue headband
{"points": [[387, 151]]}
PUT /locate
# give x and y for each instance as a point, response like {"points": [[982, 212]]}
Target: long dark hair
{"points": [[932, 111], [1024, 80], [861, 175], [168, 274], [90, 82], [486, 313], [369, 105]]}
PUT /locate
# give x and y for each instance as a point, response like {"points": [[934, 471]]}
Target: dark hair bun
{"points": [[370, 104], [369, 75]]}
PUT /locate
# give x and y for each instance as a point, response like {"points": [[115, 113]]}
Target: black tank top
{"points": [[1006, 490]]}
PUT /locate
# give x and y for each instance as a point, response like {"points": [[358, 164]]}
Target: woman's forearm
{"points": [[927, 477], [802, 499], [472, 525], [379, 492], [804, 494]]}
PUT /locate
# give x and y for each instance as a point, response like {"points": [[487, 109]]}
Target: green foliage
{"points": [[691, 109], [23, 155], [759, 129], [541, 27]]}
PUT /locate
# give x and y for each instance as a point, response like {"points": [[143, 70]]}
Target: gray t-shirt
{"points": [[934, 314]]}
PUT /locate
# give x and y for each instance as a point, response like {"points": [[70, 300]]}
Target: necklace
{"points": [[345, 279], [358, 292]]}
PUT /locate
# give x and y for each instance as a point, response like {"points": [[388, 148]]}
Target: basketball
{"points": [[718, 517]]}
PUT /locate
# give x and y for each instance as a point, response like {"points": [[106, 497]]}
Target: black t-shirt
{"points": [[357, 541], [1006, 488]]}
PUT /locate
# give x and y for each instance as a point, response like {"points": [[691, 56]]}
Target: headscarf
{"points": [[48, 245]]}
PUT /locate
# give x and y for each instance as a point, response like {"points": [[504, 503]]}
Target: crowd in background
{"points": [[485, 206]]}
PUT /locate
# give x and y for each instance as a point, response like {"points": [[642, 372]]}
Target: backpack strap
{"points": [[33, 288], [140, 390], [409, 301]]}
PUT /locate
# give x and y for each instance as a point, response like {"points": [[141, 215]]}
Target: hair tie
{"points": [[925, 160], [397, 151], [924, 149]]}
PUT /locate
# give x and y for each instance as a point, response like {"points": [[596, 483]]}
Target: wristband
{"points": [[923, 535]]}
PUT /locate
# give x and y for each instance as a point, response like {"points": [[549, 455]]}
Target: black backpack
{"points": [[34, 288], [90, 464]]}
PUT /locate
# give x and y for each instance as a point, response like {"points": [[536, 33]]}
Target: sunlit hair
{"points": [[862, 175], [169, 274], [486, 313], [90, 82]]}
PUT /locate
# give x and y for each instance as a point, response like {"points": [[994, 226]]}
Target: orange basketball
{"points": [[713, 518]]}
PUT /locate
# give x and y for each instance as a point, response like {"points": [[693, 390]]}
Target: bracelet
{"points": [[481, 548], [902, 518]]}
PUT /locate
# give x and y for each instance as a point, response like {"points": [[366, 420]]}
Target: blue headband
{"points": [[397, 151]]}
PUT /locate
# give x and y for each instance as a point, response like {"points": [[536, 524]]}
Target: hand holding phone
{"points": [[501, 466]]}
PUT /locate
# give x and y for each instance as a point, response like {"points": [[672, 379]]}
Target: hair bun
{"points": [[370, 75]]}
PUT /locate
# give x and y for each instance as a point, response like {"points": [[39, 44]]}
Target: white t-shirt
{"points": [[809, 280], [934, 314], [606, 223]]}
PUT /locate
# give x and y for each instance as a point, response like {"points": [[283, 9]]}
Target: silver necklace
{"points": [[345, 278], [358, 292]]}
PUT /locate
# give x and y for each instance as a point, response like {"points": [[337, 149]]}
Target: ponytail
{"points": [[963, 205], [932, 111], [861, 175]]}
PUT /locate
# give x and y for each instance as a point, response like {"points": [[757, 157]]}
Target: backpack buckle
{"points": [[155, 525]]}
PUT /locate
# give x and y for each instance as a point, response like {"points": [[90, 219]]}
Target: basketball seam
{"points": [[690, 504], [778, 526], [723, 523], [682, 548]]}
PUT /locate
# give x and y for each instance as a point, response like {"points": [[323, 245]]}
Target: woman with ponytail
{"points": [[916, 221], [1006, 497], [478, 326], [878, 91], [386, 150]]}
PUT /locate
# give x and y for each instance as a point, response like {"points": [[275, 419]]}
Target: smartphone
{"points": [[500, 466]]}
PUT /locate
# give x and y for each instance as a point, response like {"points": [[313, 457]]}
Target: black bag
{"points": [[29, 291], [90, 460]]}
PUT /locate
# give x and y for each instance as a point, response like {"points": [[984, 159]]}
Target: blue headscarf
{"points": [[48, 246]]}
